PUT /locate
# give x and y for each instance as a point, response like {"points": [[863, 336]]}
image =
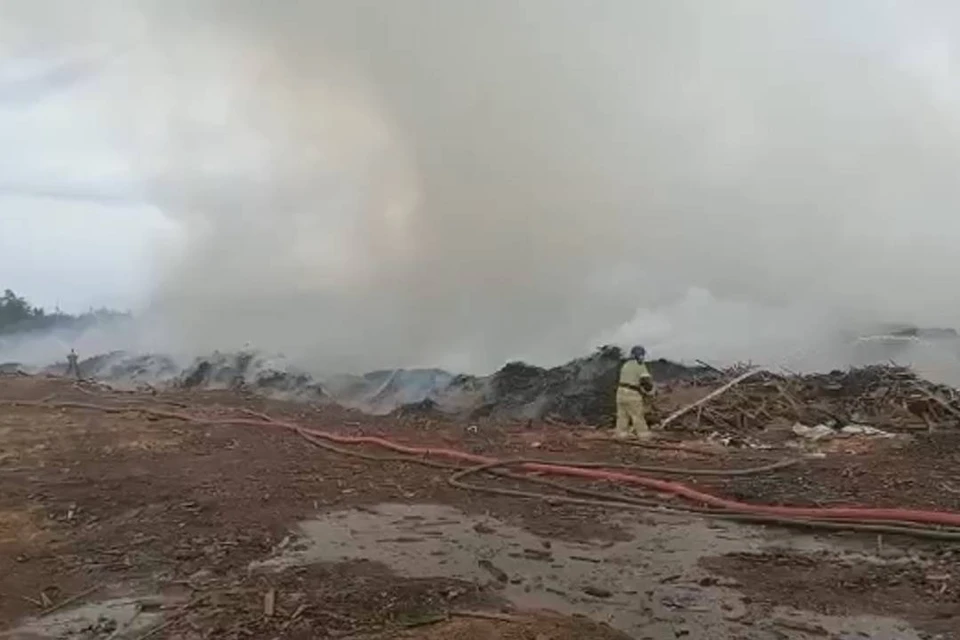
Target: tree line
{"points": [[18, 315]]}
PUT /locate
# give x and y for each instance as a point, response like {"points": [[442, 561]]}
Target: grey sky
{"points": [[74, 231], [463, 181]]}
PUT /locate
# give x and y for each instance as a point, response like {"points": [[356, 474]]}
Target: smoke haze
{"points": [[460, 182]]}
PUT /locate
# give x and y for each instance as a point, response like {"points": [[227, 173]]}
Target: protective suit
{"points": [[635, 384], [73, 365]]}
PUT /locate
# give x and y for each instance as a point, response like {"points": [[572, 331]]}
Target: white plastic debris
{"points": [[822, 431], [819, 432], [865, 430]]}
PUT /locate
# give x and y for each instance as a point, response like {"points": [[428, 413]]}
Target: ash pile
{"points": [[887, 397], [123, 369], [404, 391], [239, 371], [250, 371]]}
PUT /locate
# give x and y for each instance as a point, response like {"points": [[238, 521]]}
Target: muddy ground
{"points": [[124, 525]]}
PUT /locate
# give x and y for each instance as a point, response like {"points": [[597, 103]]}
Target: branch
{"points": [[713, 394]]}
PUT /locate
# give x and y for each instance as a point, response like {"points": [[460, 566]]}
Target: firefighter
{"points": [[73, 365], [635, 385]]}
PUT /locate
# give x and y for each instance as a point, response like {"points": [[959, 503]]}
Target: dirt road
{"points": [[125, 525]]}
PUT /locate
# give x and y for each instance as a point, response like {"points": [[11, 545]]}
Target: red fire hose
{"points": [[942, 518]]}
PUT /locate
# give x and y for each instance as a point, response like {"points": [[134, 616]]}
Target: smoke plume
{"points": [[459, 182]]}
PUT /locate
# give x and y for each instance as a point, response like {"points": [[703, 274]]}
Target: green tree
{"points": [[18, 315], [14, 310]]}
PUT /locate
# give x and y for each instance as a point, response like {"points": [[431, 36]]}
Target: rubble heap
{"points": [[881, 396]]}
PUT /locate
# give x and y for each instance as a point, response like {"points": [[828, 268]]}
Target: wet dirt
{"points": [[91, 499], [118, 617], [888, 580], [540, 626], [654, 584]]}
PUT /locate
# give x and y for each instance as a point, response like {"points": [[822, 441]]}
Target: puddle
{"points": [[119, 618], [649, 586]]}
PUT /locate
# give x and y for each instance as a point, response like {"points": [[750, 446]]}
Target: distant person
{"points": [[73, 365], [634, 386]]}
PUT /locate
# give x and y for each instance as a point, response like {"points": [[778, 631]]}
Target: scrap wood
{"points": [[950, 488], [460, 613], [426, 620], [487, 615], [24, 598], [270, 603], [881, 396], [70, 600], [940, 401], [718, 420], [713, 394]]}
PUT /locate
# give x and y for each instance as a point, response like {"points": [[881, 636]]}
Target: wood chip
{"points": [[270, 603], [486, 615], [597, 592]]}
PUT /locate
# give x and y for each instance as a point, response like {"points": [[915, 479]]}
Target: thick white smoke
{"points": [[459, 182]]}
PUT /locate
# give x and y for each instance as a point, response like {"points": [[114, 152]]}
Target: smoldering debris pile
{"points": [[12, 369], [123, 369], [582, 391], [251, 371], [244, 370], [880, 396], [407, 390]]}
